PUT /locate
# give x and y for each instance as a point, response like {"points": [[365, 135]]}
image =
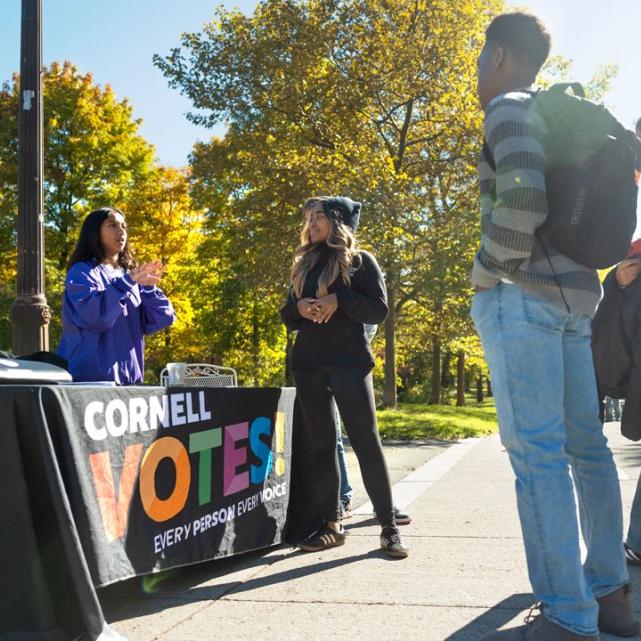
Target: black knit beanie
{"points": [[343, 209]]}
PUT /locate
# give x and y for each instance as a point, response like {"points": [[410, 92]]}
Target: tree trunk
{"points": [[460, 379], [479, 389], [446, 375], [435, 396], [389, 385], [489, 388]]}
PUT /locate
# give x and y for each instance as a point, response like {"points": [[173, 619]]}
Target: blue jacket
{"points": [[105, 317]]}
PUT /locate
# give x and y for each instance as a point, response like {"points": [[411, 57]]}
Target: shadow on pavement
{"points": [[413, 443], [356, 524], [508, 609], [629, 456], [125, 600], [493, 618]]}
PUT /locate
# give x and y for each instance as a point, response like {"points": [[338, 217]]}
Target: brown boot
{"points": [[616, 614], [538, 629]]}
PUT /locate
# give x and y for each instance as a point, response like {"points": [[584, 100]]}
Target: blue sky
{"points": [[116, 40]]}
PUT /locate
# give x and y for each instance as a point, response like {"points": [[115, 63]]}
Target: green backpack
{"points": [[592, 179]]}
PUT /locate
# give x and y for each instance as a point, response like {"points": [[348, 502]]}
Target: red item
{"points": [[635, 248]]}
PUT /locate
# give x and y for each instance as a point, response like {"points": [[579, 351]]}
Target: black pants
{"points": [[353, 391]]}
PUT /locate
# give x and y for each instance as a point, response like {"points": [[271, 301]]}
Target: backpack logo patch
{"points": [[579, 204]]}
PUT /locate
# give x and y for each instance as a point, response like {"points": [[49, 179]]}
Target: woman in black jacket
{"points": [[616, 347], [336, 289]]}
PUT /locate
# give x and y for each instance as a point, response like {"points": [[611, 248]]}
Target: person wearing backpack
{"points": [[532, 308], [616, 347]]}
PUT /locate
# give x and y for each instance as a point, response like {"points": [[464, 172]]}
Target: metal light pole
{"points": [[30, 313]]}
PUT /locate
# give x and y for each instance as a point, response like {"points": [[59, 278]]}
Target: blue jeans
{"points": [[543, 380], [345, 489], [634, 531]]}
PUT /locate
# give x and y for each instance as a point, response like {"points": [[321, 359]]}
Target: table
{"points": [[99, 484]]}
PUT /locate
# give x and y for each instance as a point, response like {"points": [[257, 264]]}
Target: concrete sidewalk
{"points": [[465, 576]]}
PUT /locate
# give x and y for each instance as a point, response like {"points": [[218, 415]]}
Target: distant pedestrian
{"points": [[532, 309], [336, 289], [612, 409]]}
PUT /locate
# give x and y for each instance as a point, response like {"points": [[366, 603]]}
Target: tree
{"points": [[164, 225], [371, 98], [94, 155], [8, 209], [248, 243]]}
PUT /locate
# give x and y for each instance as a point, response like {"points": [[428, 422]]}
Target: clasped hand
{"points": [[319, 310], [628, 271], [148, 274]]}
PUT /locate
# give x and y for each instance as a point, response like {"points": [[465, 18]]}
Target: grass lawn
{"points": [[420, 421]]}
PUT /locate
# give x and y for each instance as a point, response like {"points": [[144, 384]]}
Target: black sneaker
{"points": [[401, 517], [631, 555], [346, 509], [391, 543], [324, 538]]}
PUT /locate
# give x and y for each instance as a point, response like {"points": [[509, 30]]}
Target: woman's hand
{"points": [[325, 307], [147, 274], [628, 271], [306, 308]]}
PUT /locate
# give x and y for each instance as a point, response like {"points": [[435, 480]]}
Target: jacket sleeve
{"points": [[365, 300], [609, 310], [289, 313], [631, 417], [610, 346], [613, 295], [93, 306], [515, 138], [157, 312]]}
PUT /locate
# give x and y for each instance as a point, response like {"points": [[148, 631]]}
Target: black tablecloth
{"points": [[66, 526], [47, 593]]}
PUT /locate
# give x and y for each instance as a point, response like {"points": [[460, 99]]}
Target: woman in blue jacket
{"points": [[110, 304]]}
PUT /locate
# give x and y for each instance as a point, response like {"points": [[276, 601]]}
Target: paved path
{"points": [[466, 574]]}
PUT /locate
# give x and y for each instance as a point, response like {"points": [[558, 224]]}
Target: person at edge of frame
{"points": [[532, 308], [616, 347]]}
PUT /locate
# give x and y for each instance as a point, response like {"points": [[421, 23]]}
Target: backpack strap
{"points": [[562, 87], [488, 155]]}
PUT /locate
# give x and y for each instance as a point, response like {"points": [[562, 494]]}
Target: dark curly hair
{"points": [[524, 35], [89, 246]]}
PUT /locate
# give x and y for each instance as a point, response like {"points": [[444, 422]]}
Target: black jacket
{"points": [[616, 347], [341, 341]]}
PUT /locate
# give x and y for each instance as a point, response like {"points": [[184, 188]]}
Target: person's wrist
{"points": [[129, 280]]}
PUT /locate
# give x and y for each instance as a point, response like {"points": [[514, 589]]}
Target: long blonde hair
{"points": [[342, 258]]}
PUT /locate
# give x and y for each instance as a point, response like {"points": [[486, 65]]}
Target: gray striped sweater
{"points": [[514, 205]]}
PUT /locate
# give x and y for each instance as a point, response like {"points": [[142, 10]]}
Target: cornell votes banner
{"points": [[159, 478]]}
